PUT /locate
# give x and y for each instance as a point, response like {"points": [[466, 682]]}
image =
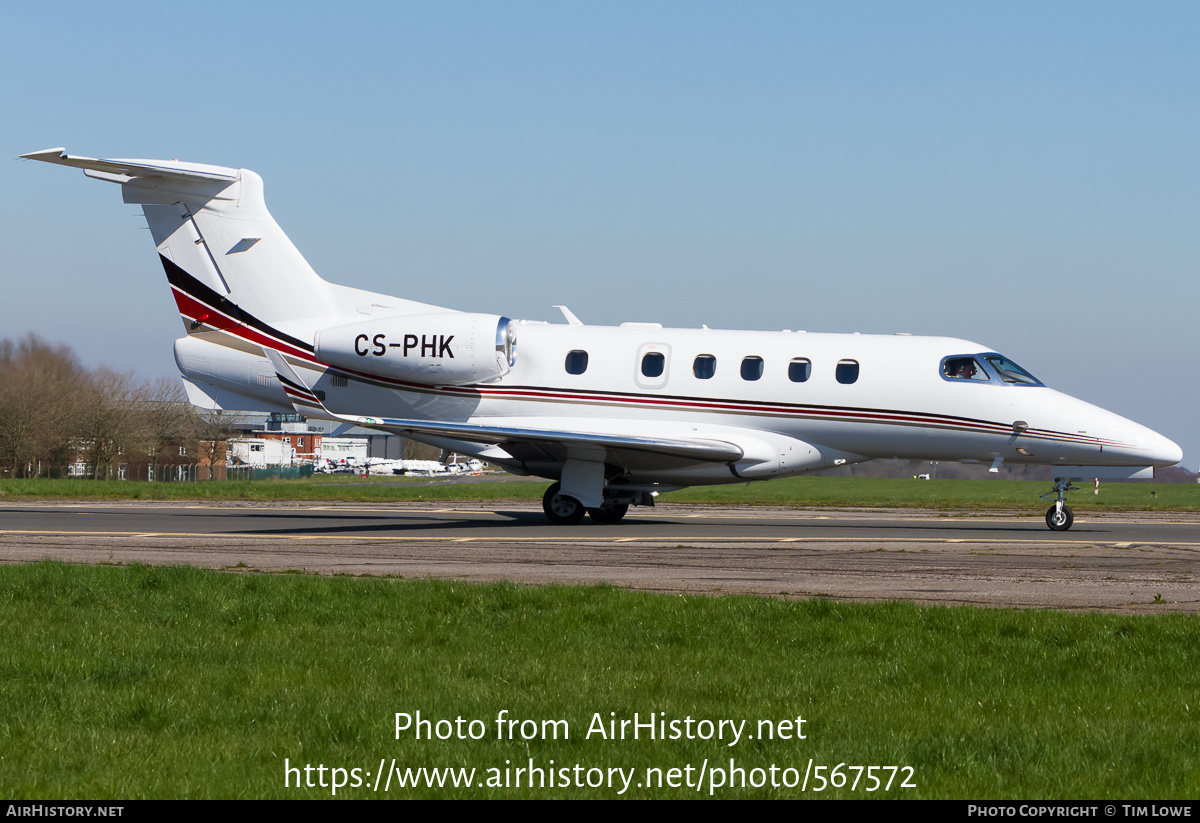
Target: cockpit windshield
{"points": [[1010, 372], [988, 367]]}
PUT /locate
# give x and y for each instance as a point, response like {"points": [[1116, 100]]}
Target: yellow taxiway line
{"points": [[582, 540]]}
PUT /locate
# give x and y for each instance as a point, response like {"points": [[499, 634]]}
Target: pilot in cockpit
{"points": [[963, 368]]}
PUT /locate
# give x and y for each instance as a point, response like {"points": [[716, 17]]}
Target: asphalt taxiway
{"points": [[1139, 562]]}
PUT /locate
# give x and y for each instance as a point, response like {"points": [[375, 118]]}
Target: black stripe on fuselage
{"points": [[201, 293]]}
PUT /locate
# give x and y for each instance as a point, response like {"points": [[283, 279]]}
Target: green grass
{"points": [[943, 494], [326, 488], [175, 682], [1018, 495]]}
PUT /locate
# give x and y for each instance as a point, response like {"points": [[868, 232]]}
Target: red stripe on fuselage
{"points": [[193, 309]]}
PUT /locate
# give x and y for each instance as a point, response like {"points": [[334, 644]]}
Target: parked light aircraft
{"points": [[613, 414]]}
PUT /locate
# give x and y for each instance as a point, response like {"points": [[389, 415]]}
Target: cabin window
{"points": [[653, 363], [752, 368], [705, 366], [847, 371], [799, 370], [577, 362]]}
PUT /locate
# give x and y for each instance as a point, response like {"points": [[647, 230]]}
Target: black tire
{"points": [[1059, 523], [561, 509], [609, 513]]}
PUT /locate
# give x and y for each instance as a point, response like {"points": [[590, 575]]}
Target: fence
{"points": [[269, 472]]}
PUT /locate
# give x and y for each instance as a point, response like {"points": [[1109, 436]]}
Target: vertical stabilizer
{"points": [[228, 262]]}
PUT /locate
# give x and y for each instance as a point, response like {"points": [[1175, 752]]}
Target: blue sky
{"points": [[1024, 175]]}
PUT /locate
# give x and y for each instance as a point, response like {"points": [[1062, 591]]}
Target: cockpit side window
{"points": [[963, 368]]}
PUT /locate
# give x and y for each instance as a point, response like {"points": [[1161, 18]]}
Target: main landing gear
{"points": [[1058, 516], [562, 510], [567, 511]]}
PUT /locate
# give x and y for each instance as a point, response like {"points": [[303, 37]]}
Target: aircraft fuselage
{"points": [[613, 413]]}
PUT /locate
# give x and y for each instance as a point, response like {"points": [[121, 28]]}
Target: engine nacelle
{"points": [[446, 348]]}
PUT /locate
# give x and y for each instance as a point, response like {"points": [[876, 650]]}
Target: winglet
{"points": [[304, 399]]}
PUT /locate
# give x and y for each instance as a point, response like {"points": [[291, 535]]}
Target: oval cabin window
{"points": [[799, 369], [577, 362], [652, 364], [752, 368], [847, 371]]}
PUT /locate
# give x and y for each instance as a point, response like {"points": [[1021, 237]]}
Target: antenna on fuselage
{"points": [[570, 315]]}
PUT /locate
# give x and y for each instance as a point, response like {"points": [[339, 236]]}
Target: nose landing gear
{"points": [[1059, 517]]}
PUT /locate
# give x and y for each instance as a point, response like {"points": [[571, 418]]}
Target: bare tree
{"points": [[213, 429], [38, 409], [170, 424], [112, 420]]}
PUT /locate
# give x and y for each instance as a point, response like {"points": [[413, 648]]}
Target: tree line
{"points": [[56, 413]]}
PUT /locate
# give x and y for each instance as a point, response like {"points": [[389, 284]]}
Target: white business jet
{"points": [[615, 415]]}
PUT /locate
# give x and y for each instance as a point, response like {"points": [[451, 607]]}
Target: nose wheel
{"points": [[1059, 517]]}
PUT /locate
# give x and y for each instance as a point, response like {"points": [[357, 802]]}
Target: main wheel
{"points": [[609, 513], [561, 509], [1059, 521]]}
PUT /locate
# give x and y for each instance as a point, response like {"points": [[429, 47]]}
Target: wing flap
{"points": [[551, 442]]}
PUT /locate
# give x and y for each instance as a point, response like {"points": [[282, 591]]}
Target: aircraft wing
{"points": [[521, 443], [554, 444]]}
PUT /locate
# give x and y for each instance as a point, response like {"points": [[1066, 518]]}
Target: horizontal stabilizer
{"points": [[120, 171]]}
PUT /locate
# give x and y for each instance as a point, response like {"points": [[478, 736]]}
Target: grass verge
{"points": [[175, 682], [1017, 495]]}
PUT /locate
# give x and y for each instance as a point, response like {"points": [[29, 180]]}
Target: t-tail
{"points": [[229, 264], [240, 284]]}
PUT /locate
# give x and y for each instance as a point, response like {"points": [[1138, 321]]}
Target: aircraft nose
{"points": [[1162, 450], [1125, 442], [1148, 446]]}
